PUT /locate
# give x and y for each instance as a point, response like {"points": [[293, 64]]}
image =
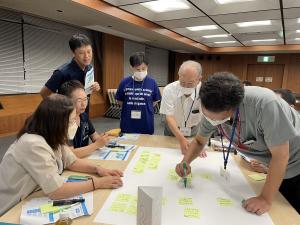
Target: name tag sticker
{"points": [[135, 114]]}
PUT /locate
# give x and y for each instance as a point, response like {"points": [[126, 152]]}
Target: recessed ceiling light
{"points": [[297, 39], [297, 31], [165, 5], [205, 27], [298, 21], [215, 35], [223, 2], [224, 42], [254, 23], [262, 40]]}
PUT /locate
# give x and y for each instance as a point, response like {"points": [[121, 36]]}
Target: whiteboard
{"points": [[207, 187]]}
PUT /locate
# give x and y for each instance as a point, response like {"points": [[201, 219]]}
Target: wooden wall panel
{"points": [[113, 61], [238, 65]]}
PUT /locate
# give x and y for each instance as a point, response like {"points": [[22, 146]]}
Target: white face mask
{"points": [[140, 75], [187, 91], [216, 122], [72, 131]]}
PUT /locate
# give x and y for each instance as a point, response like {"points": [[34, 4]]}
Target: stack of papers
{"points": [[41, 211], [116, 152]]}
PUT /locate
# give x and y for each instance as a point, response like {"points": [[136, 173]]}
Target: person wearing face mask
{"points": [[76, 69], [37, 159], [180, 105], [264, 127], [83, 129], [138, 94]]}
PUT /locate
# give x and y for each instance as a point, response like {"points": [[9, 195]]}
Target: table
{"points": [[281, 212]]}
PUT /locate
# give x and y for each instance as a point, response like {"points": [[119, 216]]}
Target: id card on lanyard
{"points": [[223, 172], [136, 114], [187, 131]]}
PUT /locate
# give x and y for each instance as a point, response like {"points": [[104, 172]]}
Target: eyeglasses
{"points": [[82, 100]]}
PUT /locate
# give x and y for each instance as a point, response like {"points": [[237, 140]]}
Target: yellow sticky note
{"points": [[138, 169], [185, 201], [47, 208], [131, 210], [258, 176], [191, 213], [224, 202], [124, 198], [164, 201], [206, 176], [118, 207], [172, 175]]}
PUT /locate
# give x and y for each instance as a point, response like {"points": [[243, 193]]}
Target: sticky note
{"points": [[118, 207], [138, 169], [191, 213], [185, 201], [258, 176], [224, 202], [47, 208], [132, 209], [172, 175], [206, 176], [124, 198]]}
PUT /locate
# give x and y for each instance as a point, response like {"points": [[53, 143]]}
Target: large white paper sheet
{"points": [[209, 200]]}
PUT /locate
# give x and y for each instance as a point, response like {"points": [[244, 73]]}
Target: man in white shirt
{"points": [[180, 104]]}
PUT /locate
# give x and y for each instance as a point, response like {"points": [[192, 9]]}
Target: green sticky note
{"points": [[191, 213], [124, 198], [132, 209], [185, 201], [258, 176], [118, 207], [224, 202]]}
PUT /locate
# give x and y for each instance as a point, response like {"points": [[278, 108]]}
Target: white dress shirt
{"points": [[184, 109]]}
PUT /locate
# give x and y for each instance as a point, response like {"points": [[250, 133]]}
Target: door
{"points": [[269, 76]]}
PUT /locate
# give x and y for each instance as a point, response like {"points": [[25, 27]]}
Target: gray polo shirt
{"points": [[268, 120]]}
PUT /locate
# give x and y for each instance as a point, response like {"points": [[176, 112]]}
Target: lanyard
{"points": [[185, 120], [235, 121]]}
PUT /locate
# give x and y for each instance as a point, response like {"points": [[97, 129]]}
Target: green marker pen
{"points": [[184, 171]]}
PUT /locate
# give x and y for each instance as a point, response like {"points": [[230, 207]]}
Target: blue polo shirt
{"points": [[84, 131], [68, 71], [138, 96]]}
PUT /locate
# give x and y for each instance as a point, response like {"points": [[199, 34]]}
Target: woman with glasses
{"points": [[85, 129]]}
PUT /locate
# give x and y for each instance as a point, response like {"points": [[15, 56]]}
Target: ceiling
{"points": [[168, 29], [281, 17]]}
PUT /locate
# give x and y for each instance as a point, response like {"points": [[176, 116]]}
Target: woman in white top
{"points": [[40, 154]]}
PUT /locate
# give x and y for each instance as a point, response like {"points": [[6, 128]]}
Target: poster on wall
{"points": [[259, 79], [268, 79]]}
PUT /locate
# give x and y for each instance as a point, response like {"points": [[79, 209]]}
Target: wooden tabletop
{"points": [[281, 212]]}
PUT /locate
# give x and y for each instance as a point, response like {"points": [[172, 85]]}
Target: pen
{"points": [[115, 146], [67, 202], [184, 171]]}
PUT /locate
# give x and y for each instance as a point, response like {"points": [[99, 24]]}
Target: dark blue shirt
{"points": [[68, 71], [139, 96], [84, 132]]}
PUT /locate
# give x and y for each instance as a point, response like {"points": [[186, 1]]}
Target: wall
{"points": [[238, 64]]}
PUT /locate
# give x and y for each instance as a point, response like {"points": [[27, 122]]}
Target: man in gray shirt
{"points": [[265, 128]]}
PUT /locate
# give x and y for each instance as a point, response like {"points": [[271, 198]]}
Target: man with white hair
{"points": [[180, 105]]}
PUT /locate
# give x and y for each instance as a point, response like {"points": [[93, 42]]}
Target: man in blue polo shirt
{"points": [[138, 94], [79, 68]]}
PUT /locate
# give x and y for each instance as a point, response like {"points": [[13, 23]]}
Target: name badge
{"points": [[224, 173], [186, 131], [135, 114]]}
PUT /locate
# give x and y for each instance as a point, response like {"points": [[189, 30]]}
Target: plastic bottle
{"points": [[64, 219]]}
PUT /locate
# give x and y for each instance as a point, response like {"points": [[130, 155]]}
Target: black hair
{"points": [[68, 87], [221, 92], [247, 83], [287, 95], [79, 40], [137, 59], [50, 120]]}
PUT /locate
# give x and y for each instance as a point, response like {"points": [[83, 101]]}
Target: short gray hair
{"points": [[190, 63]]}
